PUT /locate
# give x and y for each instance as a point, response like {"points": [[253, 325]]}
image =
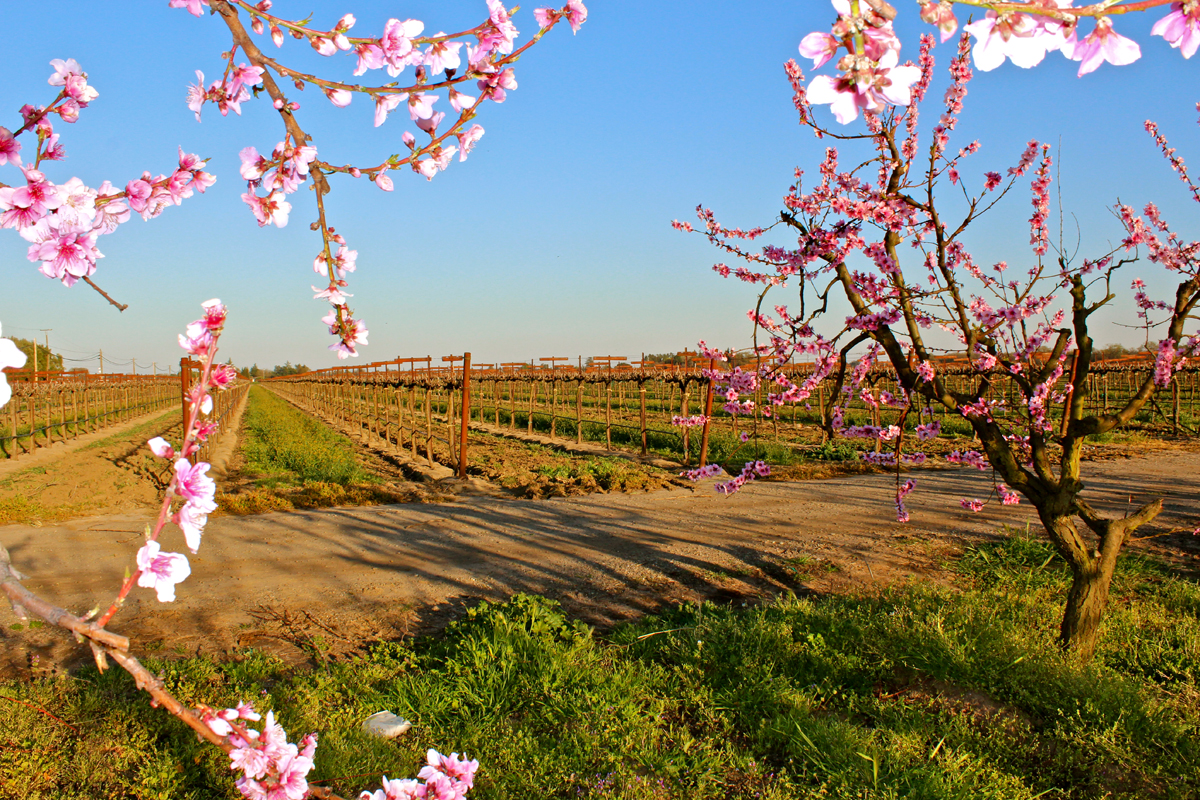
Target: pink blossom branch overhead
{"points": [[470, 67]]}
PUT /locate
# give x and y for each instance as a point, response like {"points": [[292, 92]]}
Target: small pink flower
{"points": [[820, 47], [971, 505], [193, 6], [9, 147], [386, 104], [1181, 28], [339, 97], [467, 141], [161, 448], [1104, 44], [161, 571], [194, 486]]}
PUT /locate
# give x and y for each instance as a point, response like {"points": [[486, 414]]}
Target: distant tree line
{"points": [[26, 346], [278, 372]]}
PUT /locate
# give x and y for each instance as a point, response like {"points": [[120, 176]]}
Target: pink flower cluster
{"points": [[272, 767], [969, 458], [871, 78], [190, 483], [694, 421], [903, 491], [1007, 496], [445, 778], [751, 470], [63, 221], [700, 473]]}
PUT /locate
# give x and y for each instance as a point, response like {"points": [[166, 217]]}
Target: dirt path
{"points": [[329, 581]]}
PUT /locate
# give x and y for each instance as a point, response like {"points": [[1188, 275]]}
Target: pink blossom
{"points": [[69, 111], [1007, 496], [194, 486], [467, 141], [9, 147], [420, 105], [244, 75], [339, 97], [193, 6], [1104, 44], [370, 56], [430, 125], [73, 80], [576, 14], [191, 519], [161, 448], [324, 46], [250, 760], [253, 165], [161, 571], [384, 181], [196, 95], [1181, 28], [820, 47], [270, 209], [442, 56], [66, 257], [498, 84], [333, 294], [458, 100], [386, 104], [971, 505], [940, 14], [397, 45], [1023, 38], [866, 85], [427, 167], [214, 318]]}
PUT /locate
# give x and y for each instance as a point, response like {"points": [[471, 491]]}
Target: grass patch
{"points": [[294, 461], [135, 433], [919, 692], [286, 447]]}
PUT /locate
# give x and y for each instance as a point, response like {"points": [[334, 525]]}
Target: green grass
{"points": [[286, 447], [919, 692]]}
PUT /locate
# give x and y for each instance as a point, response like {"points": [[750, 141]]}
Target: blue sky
{"points": [[554, 237]]}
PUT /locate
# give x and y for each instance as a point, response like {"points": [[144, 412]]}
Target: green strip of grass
{"points": [[285, 446], [920, 692]]}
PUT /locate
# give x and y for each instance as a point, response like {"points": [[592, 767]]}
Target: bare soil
{"points": [[326, 583]]}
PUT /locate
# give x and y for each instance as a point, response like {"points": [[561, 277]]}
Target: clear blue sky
{"points": [[554, 237]]}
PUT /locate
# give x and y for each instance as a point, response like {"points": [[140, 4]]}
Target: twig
{"points": [[24, 599], [104, 294], [40, 710]]}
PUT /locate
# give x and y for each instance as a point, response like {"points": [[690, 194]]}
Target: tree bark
{"points": [[1086, 601]]}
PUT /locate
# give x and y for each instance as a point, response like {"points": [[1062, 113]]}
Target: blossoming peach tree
{"points": [[881, 237], [62, 223]]}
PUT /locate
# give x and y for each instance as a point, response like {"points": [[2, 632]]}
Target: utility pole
{"points": [[154, 366], [35, 358], [101, 362], [133, 366]]}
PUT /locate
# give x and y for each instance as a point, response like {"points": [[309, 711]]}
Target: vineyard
{"points": [[49, 407], [420, 410]]}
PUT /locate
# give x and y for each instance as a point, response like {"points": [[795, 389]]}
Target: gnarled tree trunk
{"points": [[1092, 567]]}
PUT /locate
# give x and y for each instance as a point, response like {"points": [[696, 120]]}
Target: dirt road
{"points": [[329, 581]]}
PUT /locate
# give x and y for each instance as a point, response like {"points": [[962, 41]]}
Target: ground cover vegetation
{"points": [[916, 691], [289, 460]]}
